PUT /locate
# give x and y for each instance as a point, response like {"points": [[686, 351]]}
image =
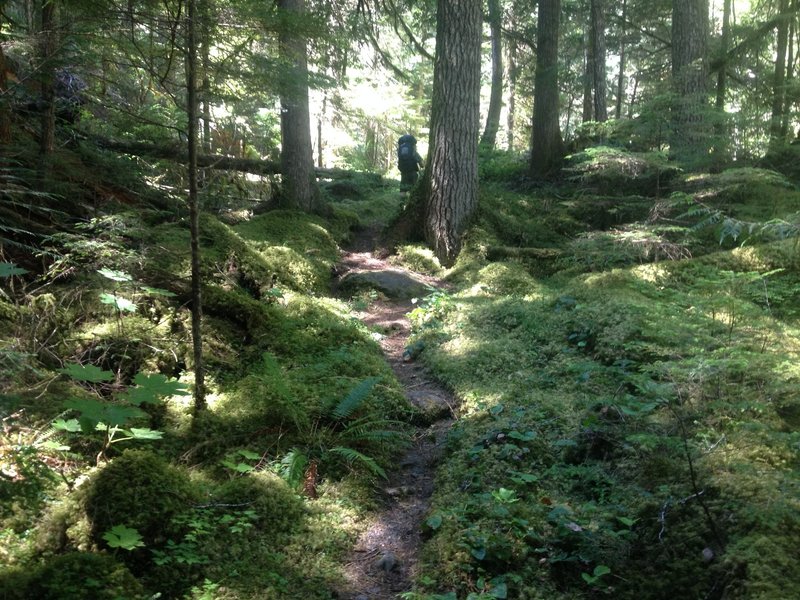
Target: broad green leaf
{"points": [[8, 269], [146, 434], [157, 291], [88, 373], [115, 275], [525, 437], [115, 414], [150, 388], [499, 591], [120, 303], [434, 522], [479, 553], [123, 537], [53, 445], [626, 521], [249, 454], [72, 425], [601, 570]]}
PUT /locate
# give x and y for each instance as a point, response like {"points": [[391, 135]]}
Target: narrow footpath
{"points": [[385, 559]]}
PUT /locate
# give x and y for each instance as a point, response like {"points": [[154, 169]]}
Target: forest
{"points": [[246, 352]]}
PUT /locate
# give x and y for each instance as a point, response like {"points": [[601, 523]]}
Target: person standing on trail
{"points": [[408, 160]]}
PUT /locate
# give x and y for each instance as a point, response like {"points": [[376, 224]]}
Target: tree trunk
{"points": [[722, 73], [598, 41], [621, 76], [47, 78], [547, 148], [690, 136], [788, 101], [205, 89], [5, 110], [588, 70], [451, 178], [299, 188], [489, 136], [779, 77], [512, 90], [194, 209]]}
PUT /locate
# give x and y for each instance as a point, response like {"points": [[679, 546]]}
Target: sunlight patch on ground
{"points": [[653, 273]]}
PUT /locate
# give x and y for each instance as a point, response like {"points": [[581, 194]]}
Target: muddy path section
{"points": [[385, 559]]}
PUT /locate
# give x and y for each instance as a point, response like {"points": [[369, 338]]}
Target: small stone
{"points": [[708, 555], [387, 562]]}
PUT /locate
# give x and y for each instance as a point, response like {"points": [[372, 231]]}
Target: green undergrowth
{"points": [[629, 418], [111, 488]]}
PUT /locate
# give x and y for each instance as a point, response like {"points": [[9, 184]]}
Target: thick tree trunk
{"points": [[5, 111], [690, 139], [47, 78], [725, 42], [779, 77], [547, 148], [489, 136], [598, 41], [194, 208], [299, 188], [588, 71], [512, 91], [451, 178], [621, 75]]}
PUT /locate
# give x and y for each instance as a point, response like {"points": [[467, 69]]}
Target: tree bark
{"points": [[47, 80], [194, 208], [621, 75], [5, 111], [779, 77], [299, 188], [512, 89], [598, 41], [489, 136], [547, 148], [450, 183], [690, 136]]}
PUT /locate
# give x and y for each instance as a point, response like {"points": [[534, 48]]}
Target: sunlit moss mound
{"points": [[141, 491], [279, 512], [615, 171], [295, 246], [73, 576]]}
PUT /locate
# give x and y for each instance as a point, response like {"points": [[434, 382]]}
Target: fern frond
{"points": [[293, 467], [353, 400], [374, 430], [354, 456]]}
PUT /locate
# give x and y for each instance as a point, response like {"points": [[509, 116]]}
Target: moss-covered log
{"points": [[502, 252]]}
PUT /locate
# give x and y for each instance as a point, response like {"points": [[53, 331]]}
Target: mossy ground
{"points": [[629, 410]]}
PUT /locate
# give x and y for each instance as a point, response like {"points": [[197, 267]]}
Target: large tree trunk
{"points": [[512, 89], [621, 76], [598, 41], [299, 188], [690, 139], [5, 109], [547, 148], [451, 179], [489, 136], [194, 208], [779, 76], [47, 46]]}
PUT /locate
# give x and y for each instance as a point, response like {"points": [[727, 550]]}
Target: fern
{"points": [[354, 399], [293, 467], [354, 456]]}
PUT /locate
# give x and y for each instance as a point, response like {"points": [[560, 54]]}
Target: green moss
{"points": [[139, 490], [73, 576]]}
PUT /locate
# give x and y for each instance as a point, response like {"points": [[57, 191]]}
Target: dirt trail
{"points": [[385, 559]]}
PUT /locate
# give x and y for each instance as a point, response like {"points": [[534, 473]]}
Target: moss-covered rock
{"points": [[141, 491], [77, 576]]}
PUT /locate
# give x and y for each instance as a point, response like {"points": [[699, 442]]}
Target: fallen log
{"points": [[501, 252], [214, 161]]}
